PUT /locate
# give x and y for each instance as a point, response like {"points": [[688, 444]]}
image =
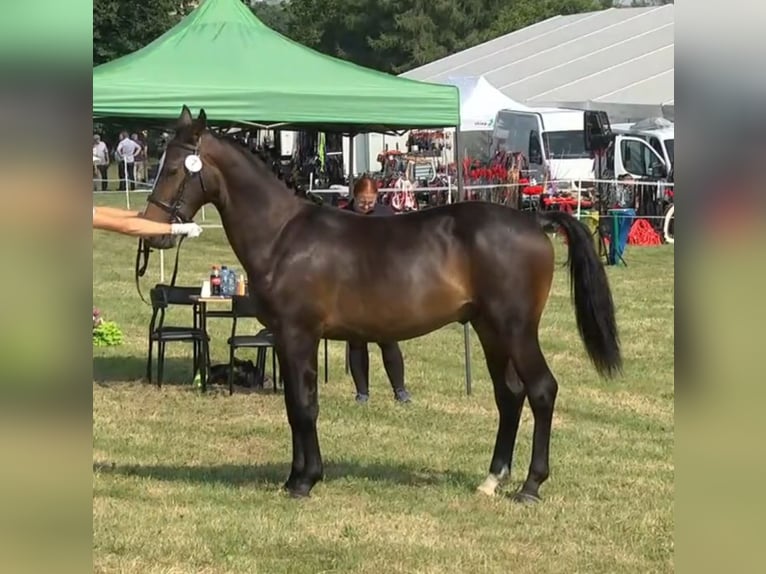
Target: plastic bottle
{"points": [[231, 283], [224, 280], [241, 285], [215, 282]]}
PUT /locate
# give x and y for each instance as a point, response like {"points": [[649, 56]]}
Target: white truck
{"points": [[549, 138]]}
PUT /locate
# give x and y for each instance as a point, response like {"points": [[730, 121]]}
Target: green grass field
{"points": [[188, 483]]}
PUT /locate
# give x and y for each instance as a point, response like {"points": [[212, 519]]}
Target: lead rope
{"points": [[145, 250]]}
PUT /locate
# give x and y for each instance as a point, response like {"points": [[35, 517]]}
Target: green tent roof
{"points": [[222, 58]]}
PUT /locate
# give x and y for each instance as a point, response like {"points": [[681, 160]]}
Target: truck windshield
{"points": [[565, 145], [671, 152]]}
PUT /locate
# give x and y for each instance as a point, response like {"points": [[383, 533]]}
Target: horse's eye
{"points": [[172, 171]]}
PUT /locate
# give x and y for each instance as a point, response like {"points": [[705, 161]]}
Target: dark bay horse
{"points": [[319, 271]]}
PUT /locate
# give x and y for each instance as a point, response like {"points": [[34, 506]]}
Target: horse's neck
{"points": [[253, 212]]}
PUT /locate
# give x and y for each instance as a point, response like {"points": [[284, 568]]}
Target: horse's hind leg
{"points": [[541, 388], [509, 398]]}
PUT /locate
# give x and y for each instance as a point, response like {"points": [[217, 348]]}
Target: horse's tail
{"points": [[594, 307]]}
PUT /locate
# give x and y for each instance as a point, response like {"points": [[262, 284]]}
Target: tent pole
{"points": [[350, 195], [461, 193], [463, 196], [350, 163]]}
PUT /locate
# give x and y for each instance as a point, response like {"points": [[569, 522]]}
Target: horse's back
{"points": [[419, 270]]}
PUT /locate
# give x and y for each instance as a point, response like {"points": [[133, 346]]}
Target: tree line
{"points": [[388, 35]]}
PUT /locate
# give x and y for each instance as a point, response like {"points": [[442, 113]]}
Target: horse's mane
{"points": [[262, 166]]}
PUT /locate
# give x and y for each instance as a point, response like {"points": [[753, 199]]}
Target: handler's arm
{"points": [[116, 212], [129, 225]]}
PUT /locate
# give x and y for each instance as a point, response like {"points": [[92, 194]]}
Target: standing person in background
{"points": [[126, 153], [100, 161], [140, 159], [365, 202]]}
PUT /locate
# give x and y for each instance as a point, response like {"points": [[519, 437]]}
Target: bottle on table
{"points": [[231, 283], [225, 272], [241, 285], [215, 282]]}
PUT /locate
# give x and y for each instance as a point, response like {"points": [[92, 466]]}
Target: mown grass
{"points": [[191, 483]]}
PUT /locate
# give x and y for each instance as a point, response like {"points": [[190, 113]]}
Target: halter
{"points": [[174, 210]]}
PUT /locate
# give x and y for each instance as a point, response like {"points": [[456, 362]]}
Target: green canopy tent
{"points": [[222, 58]]}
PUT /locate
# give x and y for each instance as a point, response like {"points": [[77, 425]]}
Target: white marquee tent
{"points": [[479, 102]]}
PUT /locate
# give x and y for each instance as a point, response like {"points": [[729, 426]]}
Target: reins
{"points": [[143, 251]]}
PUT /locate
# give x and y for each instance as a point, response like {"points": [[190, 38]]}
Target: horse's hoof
{"points": [[489, 486], [298, 493], [297, 489], [526, 498]]}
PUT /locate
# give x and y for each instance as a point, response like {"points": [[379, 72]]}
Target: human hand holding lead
{"points": [[188, 229]]}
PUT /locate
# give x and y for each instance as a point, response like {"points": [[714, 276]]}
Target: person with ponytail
{"points": [[365, 202]]}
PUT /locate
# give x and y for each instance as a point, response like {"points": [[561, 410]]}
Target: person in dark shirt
{"points": [[365, 202]]}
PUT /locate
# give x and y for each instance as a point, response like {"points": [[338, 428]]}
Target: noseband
{"points": [[174, 211]]}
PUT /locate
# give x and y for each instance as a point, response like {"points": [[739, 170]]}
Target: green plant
{"points": [[105, 333]]}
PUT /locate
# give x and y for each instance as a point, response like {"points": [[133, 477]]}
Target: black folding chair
{"points": [[163, 296], [242, 306]]}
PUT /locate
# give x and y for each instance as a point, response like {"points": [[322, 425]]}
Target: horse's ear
{"points": [[201, 123], [185, 119]]}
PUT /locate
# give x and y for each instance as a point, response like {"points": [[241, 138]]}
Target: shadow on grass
{"points": [[274, 475], [108, 371], [177, 371]]}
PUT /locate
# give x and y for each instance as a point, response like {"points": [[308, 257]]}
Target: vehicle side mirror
{"points": [[659, 171]]}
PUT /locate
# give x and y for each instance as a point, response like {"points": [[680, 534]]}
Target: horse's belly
{"points": [[398, 317]]}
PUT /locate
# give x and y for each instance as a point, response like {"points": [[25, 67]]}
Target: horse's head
{"points": [[186, 179]]}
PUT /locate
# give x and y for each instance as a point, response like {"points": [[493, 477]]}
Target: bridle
{"points": [[174, 211]]}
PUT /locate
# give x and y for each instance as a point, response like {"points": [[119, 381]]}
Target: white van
{"points": [[630, 150], [644, 150], [546, 136], [659, 133]]}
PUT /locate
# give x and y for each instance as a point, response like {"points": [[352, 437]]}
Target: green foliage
{"points": [[397, 35], [107, 334], [521, 13], [274, 15], [121, 27]]}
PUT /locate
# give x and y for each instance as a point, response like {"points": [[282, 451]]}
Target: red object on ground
{"points": [[642, 233], [567, 204]]}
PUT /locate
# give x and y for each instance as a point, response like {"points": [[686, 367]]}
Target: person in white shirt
{"points": [[129, 222], [100, 160], [126, 153]]}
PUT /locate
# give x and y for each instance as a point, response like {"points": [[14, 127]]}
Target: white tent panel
{"points": [[480, 102], [575, 58]]}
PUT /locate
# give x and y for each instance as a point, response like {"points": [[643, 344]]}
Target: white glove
{"points": [[188, 229]]}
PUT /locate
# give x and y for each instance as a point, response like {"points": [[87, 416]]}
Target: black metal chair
{"points": [[242, 306], [162, 297]]}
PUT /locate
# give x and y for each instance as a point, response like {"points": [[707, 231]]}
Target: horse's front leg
{"points": [[298, 359]]}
